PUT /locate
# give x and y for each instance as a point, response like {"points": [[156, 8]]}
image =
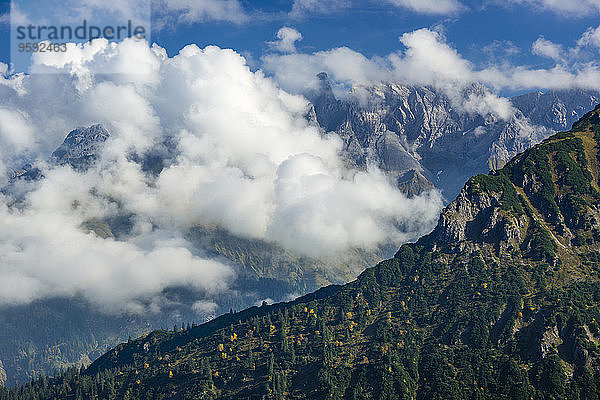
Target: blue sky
{"points": [[485, 32], [373, 28]]}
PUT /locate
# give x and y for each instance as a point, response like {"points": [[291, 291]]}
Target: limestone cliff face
{"points": [[479, 216], [463, 212], [557, 109]]}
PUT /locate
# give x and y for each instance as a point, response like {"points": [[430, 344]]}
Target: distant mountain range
{"points": [[500, 301], [418, 130]]}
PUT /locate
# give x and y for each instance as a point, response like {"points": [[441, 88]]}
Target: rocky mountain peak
{"points": [[412, 183], [543, 202], [81, 146], [557, 109]]}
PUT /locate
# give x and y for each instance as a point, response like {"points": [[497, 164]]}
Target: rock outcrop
{"points": [[81, 147]]}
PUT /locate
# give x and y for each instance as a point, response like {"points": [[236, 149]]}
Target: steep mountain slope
{"points": [[2, 374], [51, 335], [501, 300], [419, 129]]}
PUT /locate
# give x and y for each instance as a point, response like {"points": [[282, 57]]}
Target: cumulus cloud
{"points": [[434, 7], [45, 253], [427, 60], [237, 151], [287, 38], [583, 53], [15, 132]]}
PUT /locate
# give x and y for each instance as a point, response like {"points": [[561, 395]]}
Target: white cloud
{"points": [[546, 48], [429, 60], [316, 203], [44, 253], [591, 37], [434, 7], [17, 140], [297, 72], [15, 131], [576, 8], [241, 155], [204, 307], [287, 38]]}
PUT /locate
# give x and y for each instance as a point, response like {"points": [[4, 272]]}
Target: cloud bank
{"points": [[235, 150]]}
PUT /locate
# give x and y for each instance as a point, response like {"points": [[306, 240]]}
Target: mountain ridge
{"points": [[405, 128]]}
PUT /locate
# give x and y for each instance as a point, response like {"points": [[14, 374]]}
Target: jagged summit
{"points": [[81, 146], [557, 109], [324, 84], [552, 187], [79, 149], [403, 128]]}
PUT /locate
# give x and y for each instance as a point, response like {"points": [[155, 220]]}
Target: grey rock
{"points": [[557, 109], [550, 341], [2, 375], [460, 215], [81, 147], [412, 183]]}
